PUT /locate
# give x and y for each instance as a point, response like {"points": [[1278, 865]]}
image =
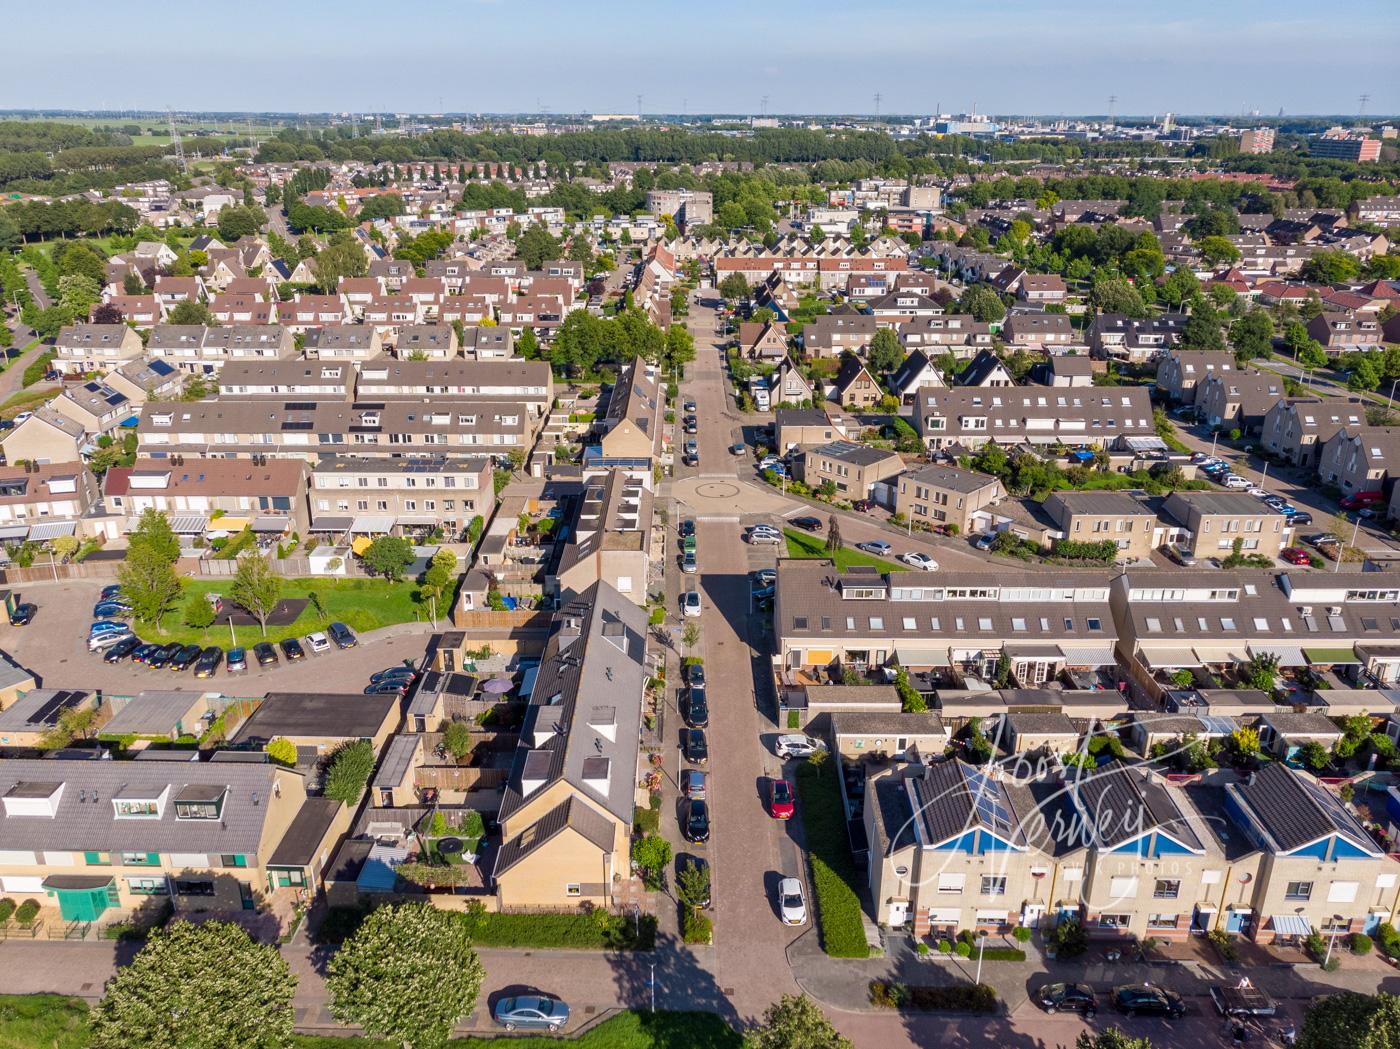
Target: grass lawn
{"points": [[26, 401], [42, 1021], [361, 604], [833, 869], [800, 545]]}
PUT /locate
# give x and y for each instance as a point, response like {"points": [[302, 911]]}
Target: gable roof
{"points": [[952, 798], [1124, 803], [1293, 810], [573, 813]]}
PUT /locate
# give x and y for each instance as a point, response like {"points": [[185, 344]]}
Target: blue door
{"points": [[1373, 920], [1236, 921]]}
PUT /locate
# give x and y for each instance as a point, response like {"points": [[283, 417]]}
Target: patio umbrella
{"points": [[498, 685]]}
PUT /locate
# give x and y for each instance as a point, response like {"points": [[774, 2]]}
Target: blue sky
{"points": [[1008, 56]]}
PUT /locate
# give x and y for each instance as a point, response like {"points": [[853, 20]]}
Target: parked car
{"points": [[1182, 557], [143, 652], [807, 523], [1302, 517], [265, 654], [392, 685], [687, 529], [791, 904], [98, 642], [318, 642], [342, 635], [1235, 481], [531, 1012], [184, 659], [207, 665], [111, 592], [689, 564], [107, 626], [878, 547], [764, 577], [1295, 555], [163, 655], [697, 821], [984, 541], [1147, 999], [695, 674], [1357, 500], [780, 799], [694, 783], [690, 603], [23, 614], [697, 709], [693, 745], [688, 405], [737, 449], [122, 649], [1067, 997], [402, 672], [915, 559], [236, 660], [291, 648], [691, 424], [111, 610], [763, 537], [797, 745]]}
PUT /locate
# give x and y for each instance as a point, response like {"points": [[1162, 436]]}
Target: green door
{"points": [[83, 905]]}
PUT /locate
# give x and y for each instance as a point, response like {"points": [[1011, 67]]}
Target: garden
{"points": [[834, 876]]}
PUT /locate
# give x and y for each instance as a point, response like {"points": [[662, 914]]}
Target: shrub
{"points": [[283, 751], [1223, 942], [834, 875], [587, 930], [963, 949], [7, 908], [1388, 940], [957, 998], [1069, 939], [652, 855], [27, 912], [794, 719], [645, 821], [923, 950], [1360, 943], [696, 927], [349, 771], [1022, 934]]}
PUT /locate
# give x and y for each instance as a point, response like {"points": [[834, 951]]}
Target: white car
{"points": [[97, 642], [1258, 493], [791, 904], [1236, 482], [318, 642], [914, 559], [797, 745], [878, 547], [690, 603]]}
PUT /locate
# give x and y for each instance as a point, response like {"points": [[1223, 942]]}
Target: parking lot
{"points": [[54, 646]]}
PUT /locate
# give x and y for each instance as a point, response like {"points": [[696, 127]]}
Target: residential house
{"points": [[47, 436], [857, 734], [802, 427], [1042, 289], [833, 334], [96, 406], [297, 379], [1114, 336], [632, 423], [1039, 331], [412, 496], [268, 496], [171, 291], [529, 384], [1239, 400], [854, 469], [970, 416], [1096, 517], [28, 720], [954, 333], [1063, 369], [83, 348], [1215, 520], [901, 307], [946, 496], [1283, 733], [790, 386], [488, 344], [1180, 372], [1297, 428], [917, 371], [1343, 332], [343, 342], [142, 311], [319, 722], [52, 493], [855, 387], [763, 340], [608, 540], [986, 370], [426, 342], [315, 311], [1360, 458], [203, 351]]}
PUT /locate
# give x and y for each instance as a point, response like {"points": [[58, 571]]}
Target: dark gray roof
{"points": [[890, 724], [856, 454], [305, 834], [1294, 810], [1306, 723], [38, 709], [953, 797], [948, 477], [1122, 802], [327, 715], [152, 713], [574, 814], [1039, 724]]}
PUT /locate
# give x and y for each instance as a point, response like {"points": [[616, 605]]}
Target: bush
{"points": [[37, 368], [1022, 933], [958, 998], [645, 821], [834, 875], [923, 950], [587, 930], [962, 949], [7, 908], [1360, 943], [1388, 940], [27, 912], [1069, 939], [1224, 943], [946, 946], [696, 927]]}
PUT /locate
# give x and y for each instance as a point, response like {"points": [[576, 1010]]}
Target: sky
{"points": [[720, 56]]}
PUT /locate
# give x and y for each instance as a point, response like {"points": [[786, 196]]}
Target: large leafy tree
{"points": [[149, 583], [153, 530], [1116, 295], [983, 303], [198, 987], [1252, 336], [409, 973], [1356, 1021], [341, 258], [796, 1022], [1202, 329], [388, 556], [256, 587], [884, 353], [536, 246]]}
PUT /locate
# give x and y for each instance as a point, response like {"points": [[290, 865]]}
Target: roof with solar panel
{"points": [[954, 800], [1129, 808]]}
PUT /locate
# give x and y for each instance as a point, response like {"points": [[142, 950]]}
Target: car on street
{"points": [[291, 648], [23, 614], [878, 547], [1357, 500], [780, 799], [1145, 999], [111, 592], [808, 523], [694, 783], [695, 674], [1295, 555], [1258, 493], [122, 649], [693, 745], [697, 708], [236, 660], [318, 642], [207, 665], [697, 821], [342, 635], [1302, 517], [690, 604], [687, 529], [1067, 998], [797, 745], [1275, 502], [688, 405], [1235, 482], [184, 659], [402, 672], [764, 577], [163, 655], [984, 541], [791, 904], [915, 559], [737, 449], [265, 654], [692, 453], [689, 564], [531, 1012]]}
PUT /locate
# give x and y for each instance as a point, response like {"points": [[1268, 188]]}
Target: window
{"points": [[993, 885], [624, 584], [148, 886], [234, 859], [1298, 890], [98, 859], [1113, 921], [140, 859], [1161, 921], [1166, 889], [951, 884], [573, 889], [1095, 624], [194, 888]]}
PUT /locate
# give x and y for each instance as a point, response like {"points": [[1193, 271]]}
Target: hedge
{"points": [[27, 912], [696, 926], [7, 908], [597, 930], [960, 998], [834, 876]]}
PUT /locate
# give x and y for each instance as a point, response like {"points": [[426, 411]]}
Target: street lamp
{"points": [[1390, 401], [1356, 530], [981, 946]]}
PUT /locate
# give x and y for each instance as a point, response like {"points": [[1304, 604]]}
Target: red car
{"points": [[1295, 555], [780, 799], [1357, 500]]}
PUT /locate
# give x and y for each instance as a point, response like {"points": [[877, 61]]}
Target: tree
{"points": [[348, 770], [1202, 328], [206, 986], [1252, 336], [149, 583], [1330, 267], [1217, 250], [982, 303], [1116, 295], [256, 587], [1110, 1039], [796, 1022], [833, 535], [536, 246], [240, 221], [1180, 286], [73, 723], [734, 286], [191, 313], [690, 634], [457, 739], [693, 884], [680, 348], [283, 751], [1245, 741], [1364, 375], [199, 611], [437, 580], [338, 259], [408, 973], [1356, 1021], [652, 855], [388, 556], [884, 353], [1261, 672], [528, 345]]}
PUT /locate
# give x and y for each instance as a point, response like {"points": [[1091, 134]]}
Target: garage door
{"points": [[21, 883]]}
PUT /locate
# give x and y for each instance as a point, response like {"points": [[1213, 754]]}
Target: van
{"points": [[1235, 481]]}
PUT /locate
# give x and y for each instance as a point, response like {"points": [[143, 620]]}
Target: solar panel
{"points": [[49, 713], [297, 425], [299, 406], [985, 798]]}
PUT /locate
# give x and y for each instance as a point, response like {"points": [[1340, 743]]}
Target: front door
{"points": [[899, 913], [1031, 914], [85, 905]]}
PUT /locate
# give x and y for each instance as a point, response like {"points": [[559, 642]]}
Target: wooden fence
{"points": [[459, 777]]}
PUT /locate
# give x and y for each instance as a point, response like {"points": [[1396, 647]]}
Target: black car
{"points": [[697, 821], [1300, 518], [265, 654], [693, 744], [23, 613], [341, 635], [1067, 997], [687, 529], [111, 592], [404, 673], [161, 658], [808, 524], [695, 674], [121, 650], [697, 710], [184, 659], [1148, 1000], [207, 665], [291, 648], [143, 653]]}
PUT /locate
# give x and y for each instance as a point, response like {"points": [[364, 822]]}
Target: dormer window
{"points": [[200, 802], [133, 805]]}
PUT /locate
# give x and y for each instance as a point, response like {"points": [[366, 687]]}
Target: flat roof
{"points": [[326, 715]]}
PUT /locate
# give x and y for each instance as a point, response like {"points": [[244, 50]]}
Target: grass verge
{"points": [[799, 545], [833, 869]]}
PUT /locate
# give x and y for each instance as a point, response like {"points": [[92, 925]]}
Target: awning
{"points": [[1167, 658], [77, 882], [1222, 654], [51, 530], [1144, 444], [1089, 655], [14, 531], [418, 519], [1290, 925], [944, 915], [1288, 655], [332, 524], [189, 524], [230, 524], [372, 523], [360, 544], [272, 523], [1330, 656], [921, 657]]}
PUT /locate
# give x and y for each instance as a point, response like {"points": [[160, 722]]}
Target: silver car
{"points": [[531, 1012], [791, 904]]}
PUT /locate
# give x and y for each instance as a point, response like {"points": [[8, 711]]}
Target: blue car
{"points": [[111, 610], [108, 626], [531, 1012], [341, 635]]}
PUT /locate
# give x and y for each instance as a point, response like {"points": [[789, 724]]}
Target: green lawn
{"points": [[46, 1021], [26, 401], [361, 604], [834, 875], [800, 545]]}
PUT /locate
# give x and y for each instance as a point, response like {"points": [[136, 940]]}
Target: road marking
{"points": [[717, 517]]}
